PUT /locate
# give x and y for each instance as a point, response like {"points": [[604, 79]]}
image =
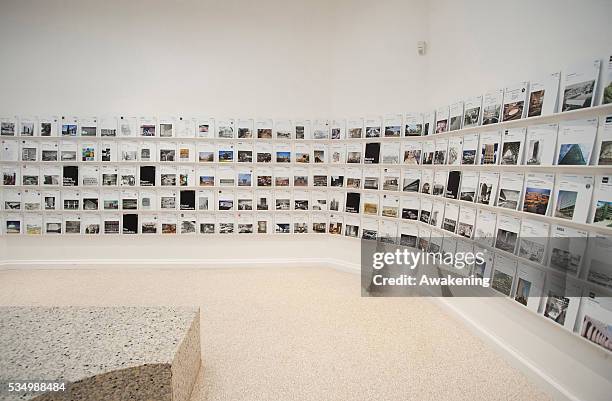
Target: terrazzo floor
{"points": [[297, 334]]}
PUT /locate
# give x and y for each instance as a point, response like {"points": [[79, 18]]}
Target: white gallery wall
{"points": [[478, 45]]}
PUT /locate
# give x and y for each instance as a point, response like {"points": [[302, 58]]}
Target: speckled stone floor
{"points": [[297, 334]]}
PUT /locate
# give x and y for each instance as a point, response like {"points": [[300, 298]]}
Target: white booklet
{"points": [[567, 248], [513, 140], [48, 126], [303, 129], [245, 128], [515, 99], [575, 141], [601, 209], [244, 153], [370, 204], [451, 216], [537, 193], [427, 177], [543, 95], [390, 152], [429, 121], [9, 150], [351, 226], [429, 150], [487, 187], [489, 147], [441, 146], [413, 124], [408, 234], [442, 117], [504, 271], [456, 116], [410, 206], [470, 149], [425, 213], [411, 180], [472, 113], [390, 179], [572, 198], [603, 149], [508, 228], [541, 144], [393, 125], [579, 85], [320, 129], [529, 286], [510, 190], [534, 240], [390, 206], [411, 152], [338, 129], [302, 153], [371, 178], [319, 222], [491, 107], [455, 147], [369, 229], [283, 129], [337, 153], [205, 127], [437, 213], [485, 227], [439, 183], [606, 87], [353, 177], [225, 128], [598, 260], [467, 220], [354, 128]]}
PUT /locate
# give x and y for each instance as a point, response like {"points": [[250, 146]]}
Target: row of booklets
{"points": [[577, 87], [567, 196], [575, 142]]}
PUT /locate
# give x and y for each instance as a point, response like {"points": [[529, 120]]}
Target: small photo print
{"points": [[510, 153], [508, 198], [566, 204], [468, 156], [502, 282], [573, 154], [536, 200], [372, 132], [597, 332], [490, 114], [266, 133], [147, 130], [534, 152], [536, 100], [603, 213], [605, 153], [513, 111], [556, 308], [244, 132], [67, 129], [165, 130], [522, 291], [578, 96]]}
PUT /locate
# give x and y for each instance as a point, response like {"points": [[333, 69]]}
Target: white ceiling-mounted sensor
{"points": [[421, 48]]}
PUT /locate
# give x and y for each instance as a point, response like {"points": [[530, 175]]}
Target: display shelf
{"points": [[523, 122]]}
